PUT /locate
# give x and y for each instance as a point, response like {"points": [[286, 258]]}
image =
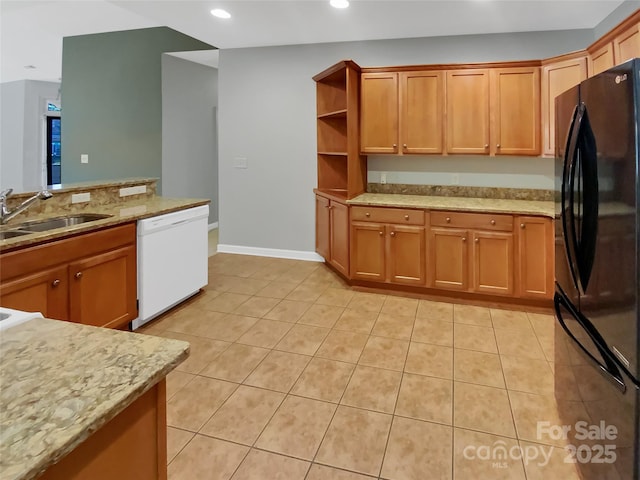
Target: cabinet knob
{"points": [[393, 234], [493, 222], [477, 240], [498, 145], [464, 239], [380, 233], [404, 145], [522, 225], [55, 283], [406, 217], [78, 275], [395, 145], [367, 214], [448, 219], [486, 145]]}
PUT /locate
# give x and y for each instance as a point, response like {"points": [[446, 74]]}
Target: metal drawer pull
{"points": [[448, 219], [393, 234], [493, 222], [406, 217], [78, 275], [367, 214], [55, 283]]}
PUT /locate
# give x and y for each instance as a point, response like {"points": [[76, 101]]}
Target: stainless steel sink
{"points": [[58, 222], [34, 226]]}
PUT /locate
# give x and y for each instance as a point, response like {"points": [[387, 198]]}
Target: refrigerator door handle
{"points": [[589, 223], [568, 177], [608, 369]]}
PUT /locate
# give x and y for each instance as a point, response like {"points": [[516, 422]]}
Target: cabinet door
{"points": [[556, 78], [627, 45], [339, 228], [322, 227], [601, 59], [515, 107], [448, 258], [46, 292], [379, 113], [468, 111], [493, 262], [406, 259], [421, 111], [535, 257], [368, 251], [103, 288]]}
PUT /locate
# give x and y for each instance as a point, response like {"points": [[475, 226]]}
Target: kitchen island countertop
{"points": [[61, 381], [464, 204]]}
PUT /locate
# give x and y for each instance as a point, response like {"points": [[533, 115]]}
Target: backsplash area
{"points": [[81, 197], [462, 191]]}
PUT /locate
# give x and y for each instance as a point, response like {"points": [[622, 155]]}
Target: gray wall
{"points": [[113, 102], [189, 137], [267, 115], [22, 133], [615, 17]]}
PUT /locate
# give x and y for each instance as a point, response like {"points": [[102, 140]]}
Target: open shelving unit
{"points": [[342, 171]]}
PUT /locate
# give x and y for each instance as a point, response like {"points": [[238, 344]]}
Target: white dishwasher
{"points": [[172, 260]]}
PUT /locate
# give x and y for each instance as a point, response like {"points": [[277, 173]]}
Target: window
{"points": [[54, 153]]}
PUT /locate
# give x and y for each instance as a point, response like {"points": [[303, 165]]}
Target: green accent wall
{"points": [[112, 102]]}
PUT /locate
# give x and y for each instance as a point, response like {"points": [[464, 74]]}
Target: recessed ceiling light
{"points": [[339, 3], [220, 13]]}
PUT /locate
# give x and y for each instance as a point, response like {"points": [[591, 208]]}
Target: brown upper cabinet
{"points": [[601, 59], [402, 112], [515, 111], [627, 45], [468, 111], [616, 47], [558, 75], [494, 111]]}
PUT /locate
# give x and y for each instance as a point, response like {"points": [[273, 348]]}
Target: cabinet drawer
{"points": [[483, 221], [388, 215]]}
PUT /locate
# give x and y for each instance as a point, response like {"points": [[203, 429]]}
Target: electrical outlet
{"points": [[383, 178], [240, 162], [84, 158], [80, 197], [138, 189], [455, 179]]}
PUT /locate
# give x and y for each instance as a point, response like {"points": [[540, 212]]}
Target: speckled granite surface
{"points": [[140, 206], [61, 381], [462, 191], [525, 207]]}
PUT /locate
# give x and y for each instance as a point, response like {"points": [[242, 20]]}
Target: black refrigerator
{"points": [[597, 252]]}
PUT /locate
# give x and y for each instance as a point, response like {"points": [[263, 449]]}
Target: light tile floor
{"points": [[294, 375]]}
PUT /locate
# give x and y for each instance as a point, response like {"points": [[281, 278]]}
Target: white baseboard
{"points": [[212, 226], [271, 252]]}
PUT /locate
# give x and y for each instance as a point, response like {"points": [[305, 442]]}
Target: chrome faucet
{"points": [[6, 214]]}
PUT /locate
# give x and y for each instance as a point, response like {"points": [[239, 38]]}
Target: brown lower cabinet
{"points": [[89, 278], [132, 445], [499, 255], [484, 267], [332, 232], [388, 252]]}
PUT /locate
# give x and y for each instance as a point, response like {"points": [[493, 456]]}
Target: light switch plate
{"points": [[240, 162], [84, 158]]}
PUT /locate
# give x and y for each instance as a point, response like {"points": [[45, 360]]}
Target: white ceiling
{"points": [[31, 32]]}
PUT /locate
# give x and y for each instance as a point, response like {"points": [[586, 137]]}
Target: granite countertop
{"points": [[464, 204], [62, 381], [122, 212]]}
